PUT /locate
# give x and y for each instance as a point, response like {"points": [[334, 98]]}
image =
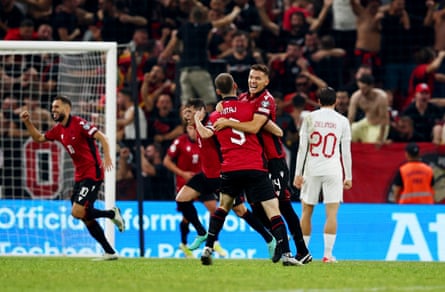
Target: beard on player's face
{"points": [[58, 117]]}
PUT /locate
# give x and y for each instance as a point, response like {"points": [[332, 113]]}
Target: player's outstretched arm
{"points": [[108, 163], [35, 134]]}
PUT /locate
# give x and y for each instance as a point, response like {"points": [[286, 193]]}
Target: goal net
{"points": [[36, 179]]}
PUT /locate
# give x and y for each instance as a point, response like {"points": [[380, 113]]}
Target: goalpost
{"points": [[36, 179]]}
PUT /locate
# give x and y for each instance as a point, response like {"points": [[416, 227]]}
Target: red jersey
{"points": [[77, 138], [419, 75], [240, 151], [186, 153], [264, 104], [13, 34], [210, 156]]}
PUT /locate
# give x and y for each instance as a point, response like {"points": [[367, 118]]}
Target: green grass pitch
{"points": [[137, 274]]}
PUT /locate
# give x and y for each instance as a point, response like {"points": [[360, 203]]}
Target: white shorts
{"points": [[331, 185]]}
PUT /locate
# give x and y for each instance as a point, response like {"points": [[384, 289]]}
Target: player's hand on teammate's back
{"points": [[220, 124]]}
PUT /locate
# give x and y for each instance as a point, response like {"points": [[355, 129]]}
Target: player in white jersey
{"points": [[325, 142]]}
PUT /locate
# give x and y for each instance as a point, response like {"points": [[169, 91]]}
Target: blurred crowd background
{"points": [[393, 47]]}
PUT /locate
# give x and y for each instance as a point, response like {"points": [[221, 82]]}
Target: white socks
{"points": [[306, 239], [329, 241]]}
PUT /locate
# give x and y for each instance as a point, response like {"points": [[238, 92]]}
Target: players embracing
{"points": [[264, 110], [243, 170]]}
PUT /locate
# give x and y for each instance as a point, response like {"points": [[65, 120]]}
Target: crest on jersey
{"points": [[265, 103], [86, 127]]}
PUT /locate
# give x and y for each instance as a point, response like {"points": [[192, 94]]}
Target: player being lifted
{"points": [[78, 137]]}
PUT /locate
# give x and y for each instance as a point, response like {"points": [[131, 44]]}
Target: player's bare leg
{"points": [[306, 223], [330, 231]]}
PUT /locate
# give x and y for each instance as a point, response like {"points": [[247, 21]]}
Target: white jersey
{"points": [[322, 134]]}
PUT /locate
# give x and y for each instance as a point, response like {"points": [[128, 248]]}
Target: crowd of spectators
{"points": [[386, 50]]}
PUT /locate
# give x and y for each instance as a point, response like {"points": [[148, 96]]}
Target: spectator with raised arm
{"points": [[396, 49], [368, 42], [164, 122], [306, 86], [66, 23], [423, 112], [153, 85], [300, 24], [428, 63], [328, 62], [286, 67], [195, 80], [116, 23]]}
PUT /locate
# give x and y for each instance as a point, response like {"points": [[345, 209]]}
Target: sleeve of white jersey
{"points": [[302, 147], [346, 150]]}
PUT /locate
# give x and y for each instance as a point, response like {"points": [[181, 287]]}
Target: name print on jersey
{"points": [[321, 124]]}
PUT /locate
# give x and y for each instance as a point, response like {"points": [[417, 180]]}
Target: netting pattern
{"points": [[31, 172], [29, 82]]}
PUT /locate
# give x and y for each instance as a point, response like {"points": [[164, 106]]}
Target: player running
{"points": [[78, 137]]}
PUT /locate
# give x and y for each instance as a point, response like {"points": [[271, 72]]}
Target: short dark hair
{"points": [[260, 67], [126, 90], [195, 103], [327, 96], [64, 99], [367, 79], [27, 23], [198, 14], [224, 82], [296, 43], [412, 149], [298, 101]]}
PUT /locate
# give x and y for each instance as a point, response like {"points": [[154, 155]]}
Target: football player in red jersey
{"points": [[206, 184], [243, 170], [265, 110], [78, 137], [183, 159]]}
